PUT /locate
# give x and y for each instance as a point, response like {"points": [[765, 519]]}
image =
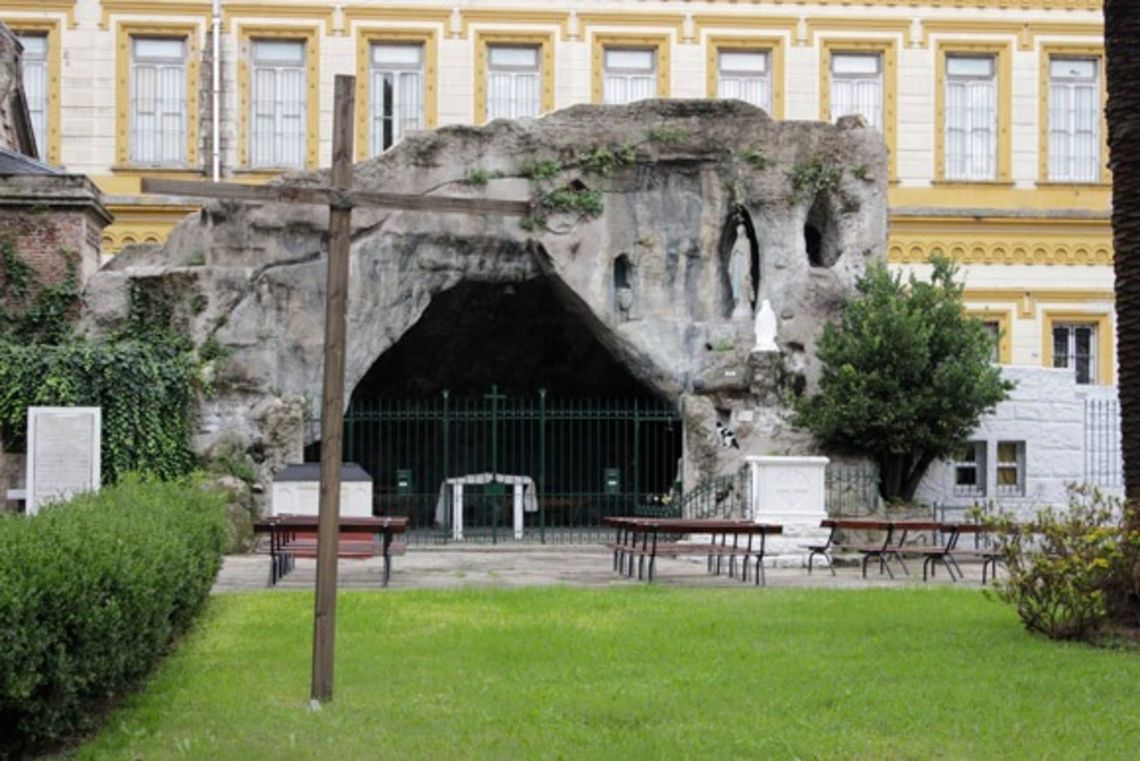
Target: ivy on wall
{"points": [[144, 377]]}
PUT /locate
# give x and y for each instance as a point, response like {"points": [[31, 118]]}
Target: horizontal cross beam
{"points": [[326, 196]]}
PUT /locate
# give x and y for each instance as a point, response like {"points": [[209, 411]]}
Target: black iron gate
{"points": [[499, 468]]}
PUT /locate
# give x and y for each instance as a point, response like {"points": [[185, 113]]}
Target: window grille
{"points": [[630, 75], [745, 75], [514, 82], [1011, 468], [1074, 345], [857, 87], [35, 65], [158, 101], [970, 471], [1074, 120], [278, 104], [397, 94], [971, 118], [993, 327]]}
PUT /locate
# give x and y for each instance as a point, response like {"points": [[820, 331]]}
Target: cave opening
{"points": [[503, 391]]}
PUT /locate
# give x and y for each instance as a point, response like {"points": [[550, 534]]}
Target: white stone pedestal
{"points": [[789, 491], [297, 491]]}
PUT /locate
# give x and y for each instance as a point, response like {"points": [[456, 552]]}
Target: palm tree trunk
{"points": [[1122, 55]]}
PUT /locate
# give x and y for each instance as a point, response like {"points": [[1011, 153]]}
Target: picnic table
{"points": [[293, 536], [643, 539], [943, 547]]}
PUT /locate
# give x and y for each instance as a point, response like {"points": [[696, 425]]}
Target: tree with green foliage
{"points": [[906, 376]]}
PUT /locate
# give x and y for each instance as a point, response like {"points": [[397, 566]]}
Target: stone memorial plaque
{"points": [[63, 453]]}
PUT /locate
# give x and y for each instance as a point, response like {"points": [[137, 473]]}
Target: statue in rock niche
{"points": [[740, 275], [765, 328]]}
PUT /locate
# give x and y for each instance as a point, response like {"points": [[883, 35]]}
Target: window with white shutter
{"points": [[158, 101], [629, 75], [1075, 346], [1074, 120], [857, 86], [514, 82], [745, 75], [397, 93], [971, 118], [278, 104], [35, 65]]}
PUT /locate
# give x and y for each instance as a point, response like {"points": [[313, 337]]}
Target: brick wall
{"points": [[50, 217]]}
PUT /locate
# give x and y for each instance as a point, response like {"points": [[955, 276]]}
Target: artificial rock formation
{"points": [[653, 275]]}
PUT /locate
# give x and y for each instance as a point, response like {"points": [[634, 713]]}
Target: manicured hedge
{"points": [[92, 593]]}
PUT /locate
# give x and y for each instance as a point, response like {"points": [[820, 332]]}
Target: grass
{"points": [[632, 673]]}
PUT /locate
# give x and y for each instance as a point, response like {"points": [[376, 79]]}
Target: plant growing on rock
{"points": [[816, 176], [756, 158], [667, 135], [906, 376]]}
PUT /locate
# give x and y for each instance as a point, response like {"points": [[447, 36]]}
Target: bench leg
{"points": [[830, 562], [957, 567]]}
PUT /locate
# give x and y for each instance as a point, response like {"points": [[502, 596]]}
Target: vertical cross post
{"points": [[332, 401]]}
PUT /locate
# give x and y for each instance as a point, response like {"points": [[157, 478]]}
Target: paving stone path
{"points": [[515, 566]]}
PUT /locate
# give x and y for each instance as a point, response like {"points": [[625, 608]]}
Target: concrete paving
{"points": [[454, 566]]}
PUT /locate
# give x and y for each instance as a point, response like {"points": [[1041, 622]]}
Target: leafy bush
{"points": [[146, 391], [92, 593], [1064, 565]]}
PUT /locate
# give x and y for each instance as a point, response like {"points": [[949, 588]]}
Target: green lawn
{"points": [[633, 673]]}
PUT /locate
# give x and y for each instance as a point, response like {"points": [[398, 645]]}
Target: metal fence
{"points": [[1102, 443], [570, 462], [719, 497], [852, 490]]}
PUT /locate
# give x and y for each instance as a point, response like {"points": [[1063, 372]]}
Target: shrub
{"points": [[92, 593], [1064, 564]]}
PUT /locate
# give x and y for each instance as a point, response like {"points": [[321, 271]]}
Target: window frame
{"points": [[25, 27], [978, 464], [1017, 489], [1004, 320], [247, 35], [1001, 53], [182, 161], [773, 46], [376, 141], [365, 39], [485, 40], [1046, 54], [765, 76], [661, 44], [126, 31], [278, 67], [512, 72], [887, 49], [1104, 368]]}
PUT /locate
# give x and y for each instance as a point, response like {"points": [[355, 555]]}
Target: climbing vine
{"points": [[144, 377], [30, 310]]}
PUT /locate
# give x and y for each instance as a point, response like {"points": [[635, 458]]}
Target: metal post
{"points": [[541, 465], [447, 507], [332, 404], [636, 455]]}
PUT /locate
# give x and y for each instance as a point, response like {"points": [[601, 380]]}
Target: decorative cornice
{"points": [[513, 19], [42, 6]]}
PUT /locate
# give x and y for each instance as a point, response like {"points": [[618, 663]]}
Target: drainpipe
{"points": [[216, 95]]}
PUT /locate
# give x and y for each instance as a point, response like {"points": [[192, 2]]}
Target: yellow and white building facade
{"points": [[992, 110]]}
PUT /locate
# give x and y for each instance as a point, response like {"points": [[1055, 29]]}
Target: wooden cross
{"points": [[341, 198]]}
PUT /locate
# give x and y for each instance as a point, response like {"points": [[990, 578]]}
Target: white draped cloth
{"points": [[525, 498]]}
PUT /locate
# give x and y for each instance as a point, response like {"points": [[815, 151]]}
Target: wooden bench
{"points": [[294, 536], [639, 539]]}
